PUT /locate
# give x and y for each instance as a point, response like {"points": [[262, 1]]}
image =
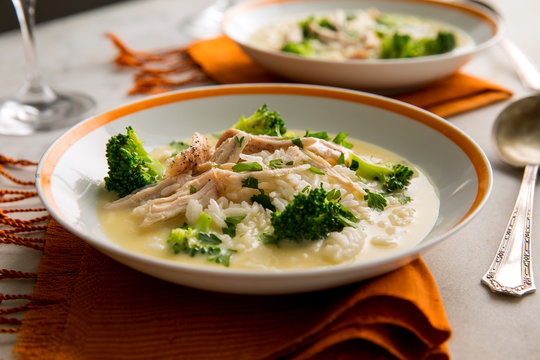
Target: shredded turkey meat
{"points": [[198, 153], [203, 173]]}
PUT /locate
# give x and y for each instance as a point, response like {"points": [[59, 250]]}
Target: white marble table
{"points": [[75, 54]]}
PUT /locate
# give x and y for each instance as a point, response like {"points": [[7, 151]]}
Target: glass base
{"points": [[17, 118]]}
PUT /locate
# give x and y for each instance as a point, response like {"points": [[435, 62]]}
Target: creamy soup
{"points": [[401, 225], [359, 34]]}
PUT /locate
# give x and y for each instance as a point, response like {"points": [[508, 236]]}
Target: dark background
{"points": [[47, 10]]}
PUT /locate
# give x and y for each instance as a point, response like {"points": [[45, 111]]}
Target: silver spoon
{"points": [[517, 134]]}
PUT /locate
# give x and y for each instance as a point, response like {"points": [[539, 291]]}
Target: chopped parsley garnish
{"points": [[314, 170], [340, 140], [289, 162], [333, 194], [375, 201], [223, 258], [341, 159], [239, 141], [192, 189], [209, 239], [247, 166], [319, 135], [250, 182], [296, 141], [264, 200], [276, 163], [231, 222]]}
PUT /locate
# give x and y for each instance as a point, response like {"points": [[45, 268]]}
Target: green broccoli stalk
{"points": [[393, 177], [130, 166], [197, 240], [262, 122], [310, 216]]}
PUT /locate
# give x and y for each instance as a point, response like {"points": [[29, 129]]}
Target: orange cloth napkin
{"points": [[91, 307], [223, 61]]}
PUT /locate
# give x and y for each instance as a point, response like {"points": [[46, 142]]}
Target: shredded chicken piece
{"points": [[326, 149], [198, 152], [325, 166], [254, 143], [327, 36], [161, 209], [193, 174], [229, 150], [202, 168], [227, 134], [210, 185], [163, 188]]}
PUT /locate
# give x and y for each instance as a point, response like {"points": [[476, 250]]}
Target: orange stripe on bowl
{"points": [[51, 158]]}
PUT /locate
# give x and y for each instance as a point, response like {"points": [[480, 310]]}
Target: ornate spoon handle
{"points": [[511, 270]]}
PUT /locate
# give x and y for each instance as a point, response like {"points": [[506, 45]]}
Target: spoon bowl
{"points": [[517, 134]]}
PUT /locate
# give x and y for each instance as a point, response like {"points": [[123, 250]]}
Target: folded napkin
{"points": [[92, 307], [222, 61]]}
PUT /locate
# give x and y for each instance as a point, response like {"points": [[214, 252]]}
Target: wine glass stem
{"points": [[34, 90]]}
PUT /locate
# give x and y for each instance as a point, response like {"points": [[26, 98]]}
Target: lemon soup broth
{"points": [[359, 34], [401, 225]]}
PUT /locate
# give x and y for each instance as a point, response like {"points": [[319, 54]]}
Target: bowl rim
{"points": [[49, 162], [493, 21]]}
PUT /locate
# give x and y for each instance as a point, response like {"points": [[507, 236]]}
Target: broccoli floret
{"points": [[399, 46], [398, 179], [443, 43], [310, 216], [403, 46], [393, 177], [197, 240], [326, 23], [130, 166], [306, 28], [308, 25], [303, 48], [262, 122]]}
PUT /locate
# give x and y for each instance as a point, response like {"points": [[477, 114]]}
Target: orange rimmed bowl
{"points": [[376, 75], [70, 173]]}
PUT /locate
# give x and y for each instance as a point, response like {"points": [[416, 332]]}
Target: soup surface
{"points": [[359, 34], [405, 220]]}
